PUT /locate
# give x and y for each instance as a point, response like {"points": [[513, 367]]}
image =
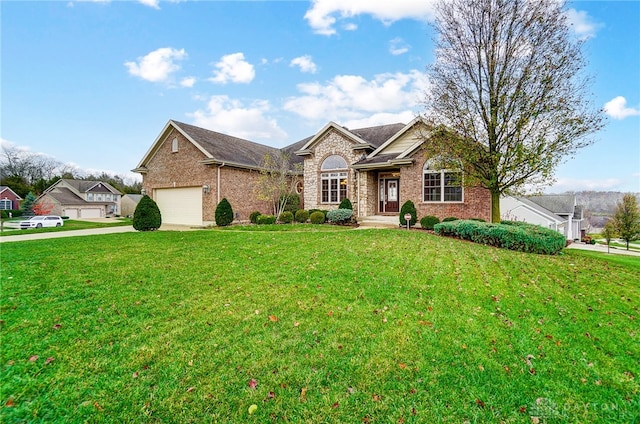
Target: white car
{"points": [[42, 221]]}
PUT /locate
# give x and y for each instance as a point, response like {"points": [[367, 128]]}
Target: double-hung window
{"points": [[442, 185], [333, 179]]}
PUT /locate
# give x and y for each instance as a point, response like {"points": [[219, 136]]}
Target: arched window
{"points": [[441, 185], [333, 179]]}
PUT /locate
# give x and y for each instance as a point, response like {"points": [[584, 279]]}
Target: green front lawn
{"points": [[69, 225], [379, 326]]}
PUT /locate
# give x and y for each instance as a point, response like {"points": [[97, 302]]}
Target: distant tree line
{"points": [[27, 172]]}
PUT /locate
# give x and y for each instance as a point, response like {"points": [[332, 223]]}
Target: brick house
{"points": [[82, 199], [188, 170], [9, 200]]}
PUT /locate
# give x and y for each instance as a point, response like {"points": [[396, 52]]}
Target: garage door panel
{"points": [[90, 213], [71, 213], [181, 206]]}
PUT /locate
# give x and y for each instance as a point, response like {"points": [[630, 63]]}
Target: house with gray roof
{"points": [[81, 199], [559, 212], [9, 199], [188, 170]]}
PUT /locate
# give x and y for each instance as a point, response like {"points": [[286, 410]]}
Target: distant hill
{"points": [[600, 202]]}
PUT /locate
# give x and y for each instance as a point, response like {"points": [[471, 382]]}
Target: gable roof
{"points": [[363, 138], [539, 209], [86, 186], [5, 188]]}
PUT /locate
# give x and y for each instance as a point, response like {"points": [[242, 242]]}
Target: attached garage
{"points": [[71, 213], [90, 213], [181, 206]]}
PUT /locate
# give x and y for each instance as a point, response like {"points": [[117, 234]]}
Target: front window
{"points": [[442, 185], [334, 183], [90, 197], [6, 204]]}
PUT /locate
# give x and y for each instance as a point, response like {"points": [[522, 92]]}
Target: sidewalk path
{"points": [[72, 233], [603, 249]]}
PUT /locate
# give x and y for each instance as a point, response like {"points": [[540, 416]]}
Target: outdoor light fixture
{"points": [[206, 189], [143, 192]]}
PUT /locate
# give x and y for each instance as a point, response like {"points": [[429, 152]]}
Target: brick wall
{"points": [[476, 204]]}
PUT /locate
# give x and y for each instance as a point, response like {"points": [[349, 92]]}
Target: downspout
{"points": [[358, 191], [218, 183]]}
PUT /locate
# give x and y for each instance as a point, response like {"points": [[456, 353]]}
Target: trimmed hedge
{"points": [[286, 217], [224, 213], [339, 216], [147, 215], [518, 236], [302, 216], [253, 217], [427, 222], [450, 218], [317, 217], [266, 219]]}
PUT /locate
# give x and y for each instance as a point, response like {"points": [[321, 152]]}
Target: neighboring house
{"points": [[82, 199], [9, 200], [128, 204], [559, 212], [188, 170]]}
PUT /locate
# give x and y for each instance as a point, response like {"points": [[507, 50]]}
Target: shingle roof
{"points": [[556, 203], [84, 186], [65, 196], [376, 159], [379, 134], [540, 209], [226, 148]]}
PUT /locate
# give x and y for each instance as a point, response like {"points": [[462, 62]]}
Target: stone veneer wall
{"points": [[331, 143], [476, 200]]}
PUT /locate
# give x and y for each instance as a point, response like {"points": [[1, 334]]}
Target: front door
{"points": [[389, 196]]}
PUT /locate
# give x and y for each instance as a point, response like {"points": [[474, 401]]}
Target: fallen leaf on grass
{"points": [[303, 394], [190, 389], [253, 383], [97, 406], [273, 318], [49, 360], [57, 326], [33, 358], [135, 374], [523, 410], [9, 403], [480, 403], [402, 366], [376, 398], [335, 405]]}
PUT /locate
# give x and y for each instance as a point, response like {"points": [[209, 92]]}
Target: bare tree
{"points": [[278, 179], [507, 98]]}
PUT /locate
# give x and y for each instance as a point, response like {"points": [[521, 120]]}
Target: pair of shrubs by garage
{"points": [[147, 215]]}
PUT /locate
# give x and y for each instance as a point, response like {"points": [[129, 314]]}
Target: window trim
{"points": [[334, 182], [174, 145], [442, 186]]}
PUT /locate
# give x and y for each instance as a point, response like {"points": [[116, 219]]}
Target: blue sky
{"points": [[92, 83]]}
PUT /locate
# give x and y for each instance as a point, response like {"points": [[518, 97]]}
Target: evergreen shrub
{"points": [[450, 219], [224, 213], [339, 216], [302, 216], [427, 222], [518, 236], [253, 217], [317, 217], [266, 219], [147, 216], [408, 207], [286, 217], [345, 204]]}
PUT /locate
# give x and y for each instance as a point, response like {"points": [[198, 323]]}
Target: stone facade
{"points": [[331, 143]]}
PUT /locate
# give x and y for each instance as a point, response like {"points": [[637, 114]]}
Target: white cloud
{"points": [[188, 82], [582, 24], [322, 14], [229, 116], [617, 108], [158, 65], [382, 118], [352, 97], [151, 3], [233, 68], [305, 63], [397, 46]]}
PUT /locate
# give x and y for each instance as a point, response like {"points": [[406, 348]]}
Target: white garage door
{"points": [[90, 213], [71, 213], [182, 206]]}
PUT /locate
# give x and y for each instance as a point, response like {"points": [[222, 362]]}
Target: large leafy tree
{"points": [[626, 219], [508, 97]]}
